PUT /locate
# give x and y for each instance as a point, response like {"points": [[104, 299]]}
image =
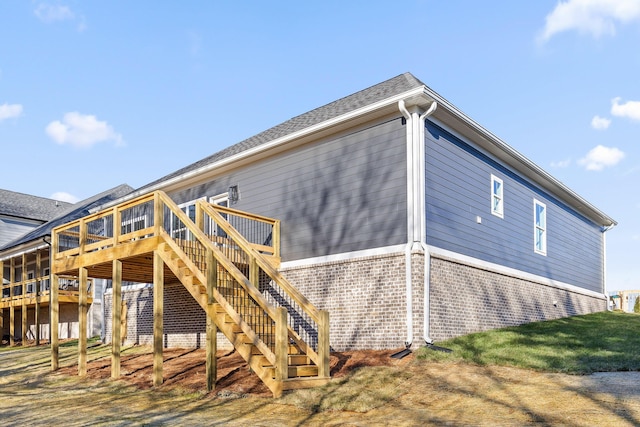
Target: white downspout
{"points": [[416, 222], [423, 221], [410, 220]]}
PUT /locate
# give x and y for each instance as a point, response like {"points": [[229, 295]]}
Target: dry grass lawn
{"points": [[369, 388]]}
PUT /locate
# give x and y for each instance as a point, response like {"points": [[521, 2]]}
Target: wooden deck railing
{"points": [[67, 286], [234, 248]]}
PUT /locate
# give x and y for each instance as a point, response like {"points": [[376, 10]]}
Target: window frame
{"points": [[497, 212], [540, 228]]}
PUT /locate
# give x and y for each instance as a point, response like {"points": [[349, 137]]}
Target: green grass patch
{"points": [[599, 342]]}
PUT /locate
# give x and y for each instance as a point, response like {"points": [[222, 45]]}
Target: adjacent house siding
{"points": [[337, 195], [13, 228], [458, 179]]}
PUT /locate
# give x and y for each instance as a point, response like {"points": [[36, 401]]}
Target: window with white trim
{"points": [[497, 196], [539, 227]]}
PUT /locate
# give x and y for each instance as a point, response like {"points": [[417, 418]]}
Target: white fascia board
{"points": [[538, 175], [508, 271], [416, 96]]}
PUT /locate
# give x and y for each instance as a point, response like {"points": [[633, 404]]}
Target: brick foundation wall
{"points": [[365, 297], [184, 319], [466, 299]]}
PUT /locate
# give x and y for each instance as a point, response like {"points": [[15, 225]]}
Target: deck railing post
{"points": [[323, 344], [275, 237], [158, 213], [282, 344]]}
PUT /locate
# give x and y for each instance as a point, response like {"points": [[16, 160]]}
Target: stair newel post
{"points": [[323, 344], [275, 237], [212, 329], [282, 344]]}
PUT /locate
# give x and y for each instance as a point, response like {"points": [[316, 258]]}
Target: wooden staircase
{"points": [[228, 261], [225, 283]]}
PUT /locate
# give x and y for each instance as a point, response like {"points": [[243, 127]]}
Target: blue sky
{"points": [[95, 94]]}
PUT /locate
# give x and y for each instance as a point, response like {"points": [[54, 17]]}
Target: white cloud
{"points": [[601, 157], [8, 111], [52, 13], [630, 109], [561, 163], [64, 197], [600, 123], [595, 17], [80, 130]]}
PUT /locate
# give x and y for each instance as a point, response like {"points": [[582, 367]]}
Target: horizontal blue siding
{"points": [[336, 195], [458, 189]]}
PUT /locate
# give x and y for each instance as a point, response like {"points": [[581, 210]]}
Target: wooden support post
{"points": [[158, 317], [23, 310], [1, 295], [212, 329], [212, 349], [323, 345], [37, 284], [275, 238], [54, 320], [12, 309], [82, 322], [116, 313], [282, 344]]}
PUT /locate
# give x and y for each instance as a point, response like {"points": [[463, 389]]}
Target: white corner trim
{"points": [[500, 269], [345, 256]]}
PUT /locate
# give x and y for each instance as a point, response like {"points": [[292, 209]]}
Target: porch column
{"points": [[12, 309], [158, 317], [24, 300], [37, 283], [82, 322], [116, 318], [54, 320]]}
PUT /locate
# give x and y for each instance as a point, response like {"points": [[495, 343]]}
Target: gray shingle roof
{"points": [[399, 84], [30, 207], [71, 213]]}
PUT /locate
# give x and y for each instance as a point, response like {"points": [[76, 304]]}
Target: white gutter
{"points": [[416, 221]]}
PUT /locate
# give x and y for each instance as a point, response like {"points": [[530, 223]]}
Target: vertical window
{"points": [[540, 227], [497, 200]]}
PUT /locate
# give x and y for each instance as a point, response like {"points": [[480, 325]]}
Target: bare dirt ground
{"points": [[369, 389]]}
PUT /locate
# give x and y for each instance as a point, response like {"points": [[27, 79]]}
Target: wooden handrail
{"points": [[220, 257], [238, 239]]}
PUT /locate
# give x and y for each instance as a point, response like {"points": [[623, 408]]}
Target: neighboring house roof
{"points": [[364, 105], [70, 213], [30, 207]]}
